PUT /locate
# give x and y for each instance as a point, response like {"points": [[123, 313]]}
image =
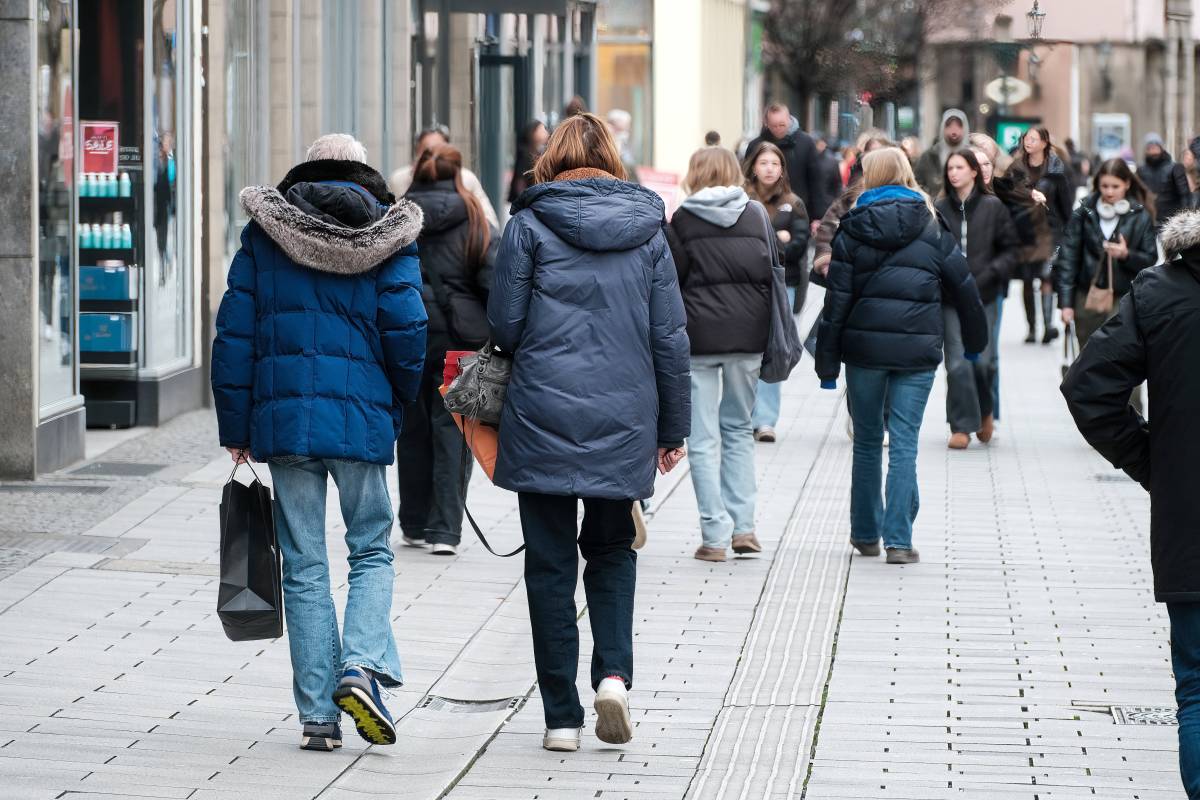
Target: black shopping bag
{"points": [[250, 599]]}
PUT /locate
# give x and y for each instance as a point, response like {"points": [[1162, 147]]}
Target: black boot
{"points": [[1048, 319], [1030, 311]]}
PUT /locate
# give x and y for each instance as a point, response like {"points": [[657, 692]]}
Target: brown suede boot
{"points": [[987, 429], [960, 441], [710, 553]]}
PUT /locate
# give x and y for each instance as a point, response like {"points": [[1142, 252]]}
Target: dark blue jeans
{"points": [[551, 566], [1185, 659], [903, 395]]}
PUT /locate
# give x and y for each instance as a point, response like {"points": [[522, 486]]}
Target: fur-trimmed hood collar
{"points": [[1181, 233], [328, 247]]}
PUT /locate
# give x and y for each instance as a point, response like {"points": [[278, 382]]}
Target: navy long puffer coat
{"points": [[586, 298], [321, 334], [893, 266]]}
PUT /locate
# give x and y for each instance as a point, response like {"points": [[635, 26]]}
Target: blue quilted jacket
{"points": [[586, 297], [321, 334]]}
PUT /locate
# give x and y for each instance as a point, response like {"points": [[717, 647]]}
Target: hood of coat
{"points": [[597, 214], [887, 218], [720, 205], [440, 202], [1181, 236], [333, 228]]}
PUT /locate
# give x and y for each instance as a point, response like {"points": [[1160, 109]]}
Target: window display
{"points": [[56, 205]]}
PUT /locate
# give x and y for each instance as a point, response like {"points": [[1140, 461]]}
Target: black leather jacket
{"points": [[1082, 251]]}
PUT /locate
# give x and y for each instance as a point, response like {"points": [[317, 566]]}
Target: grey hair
{"points": [[620, 118], [337, 146]]}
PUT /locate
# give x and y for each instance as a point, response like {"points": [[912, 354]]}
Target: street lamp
{"points": [[1034, 20]]}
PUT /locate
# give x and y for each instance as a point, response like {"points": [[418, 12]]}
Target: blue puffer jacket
{"points": [[321, 334], [894, 265], [586, 297]]}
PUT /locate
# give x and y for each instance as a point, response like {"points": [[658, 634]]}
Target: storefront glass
{"points": [[624, 69], [56, 203], [168, 277]]}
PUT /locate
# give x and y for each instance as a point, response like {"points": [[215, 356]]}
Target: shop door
{"points": [[504, 108]]}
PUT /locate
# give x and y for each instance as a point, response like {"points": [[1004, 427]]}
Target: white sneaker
{"points": [[410, 542], [442, 549], [561, 740], [612, 712]]}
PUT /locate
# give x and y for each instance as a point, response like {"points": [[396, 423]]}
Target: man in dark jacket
{"points": [[1166, 178], [954, 136], [781, 129], [320, 342], [1156, 337], [829, 172]]}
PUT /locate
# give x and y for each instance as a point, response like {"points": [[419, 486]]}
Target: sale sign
{"points": [[100, 145]]}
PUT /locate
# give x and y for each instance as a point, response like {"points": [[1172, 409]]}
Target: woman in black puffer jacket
{"points": [[987, 236], [1116, 220], [1040, 170], [457, 248], [724, 251], [767, 182], [893, 263]]}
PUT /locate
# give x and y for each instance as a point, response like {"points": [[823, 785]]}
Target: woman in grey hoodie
{"points": [[722, 244]]}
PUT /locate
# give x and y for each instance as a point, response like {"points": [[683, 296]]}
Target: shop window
{"points": [[624, 69], [246, 155], [56, 204]]}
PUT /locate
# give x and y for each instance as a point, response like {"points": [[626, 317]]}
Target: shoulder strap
{"points": [[464, 467]]}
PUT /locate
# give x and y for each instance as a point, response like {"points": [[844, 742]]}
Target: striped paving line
{"points": [[798, 608]]}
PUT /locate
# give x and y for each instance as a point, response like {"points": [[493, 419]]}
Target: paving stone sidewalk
{"points": [[986, 671]]}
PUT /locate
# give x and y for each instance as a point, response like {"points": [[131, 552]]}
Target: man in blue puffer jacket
{"points": [[320, 343]]}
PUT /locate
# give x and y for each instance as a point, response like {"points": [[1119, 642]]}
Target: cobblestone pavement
{"points": [[989, 670]]}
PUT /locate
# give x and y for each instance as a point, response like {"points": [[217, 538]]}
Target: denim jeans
{"points": [[319, 653], [769, 400], [551, 567], [904, 394], [968, 384], [721, 447], [1185, 660], [429, 466]]}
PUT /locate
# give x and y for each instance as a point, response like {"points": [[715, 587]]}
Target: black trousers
{"points": [[551, 567], [429, 467]]}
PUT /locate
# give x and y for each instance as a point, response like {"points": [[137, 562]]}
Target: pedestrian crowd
{"points": [[636, 341]]}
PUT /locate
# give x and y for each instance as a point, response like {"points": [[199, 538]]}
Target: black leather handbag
{"points": [[482, 383]]}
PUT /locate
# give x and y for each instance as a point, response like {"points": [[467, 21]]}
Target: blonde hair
{"points": [[712, 166], [580, 141], [1000, 159], [888, 166]]}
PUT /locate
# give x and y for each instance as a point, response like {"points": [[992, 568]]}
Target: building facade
{"points": [[1104, 73]]}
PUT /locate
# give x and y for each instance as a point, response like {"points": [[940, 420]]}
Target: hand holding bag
{"points": [[1102, 301], [783, 340], [250, 597], [1070, 348]]}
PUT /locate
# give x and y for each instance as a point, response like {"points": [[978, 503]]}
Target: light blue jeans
{"points": [[319, 652], [770, 395], [721, 447], [904, 394]]}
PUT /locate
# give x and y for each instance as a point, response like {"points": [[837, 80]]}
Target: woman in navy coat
{"points": [[586, 298]]}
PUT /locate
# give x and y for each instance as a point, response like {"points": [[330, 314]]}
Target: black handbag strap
{"points": [[464, 476]]}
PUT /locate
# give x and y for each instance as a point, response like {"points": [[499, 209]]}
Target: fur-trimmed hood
{"points": [[310, 233], [1181, 232]]}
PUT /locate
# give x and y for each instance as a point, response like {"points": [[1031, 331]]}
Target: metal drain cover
{"points": [[1144, 715], [43, 543], [435, 703], [118, 468]]}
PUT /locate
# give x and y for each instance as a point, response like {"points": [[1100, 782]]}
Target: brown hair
{"points": [[712, 166], [579, 142], [771, 197], [445, 163], [1117, 168]]}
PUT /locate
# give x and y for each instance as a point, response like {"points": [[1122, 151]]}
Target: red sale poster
{"points": [[100, 144]]}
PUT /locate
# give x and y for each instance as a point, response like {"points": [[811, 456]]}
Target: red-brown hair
{"points": [[445, 163]]}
